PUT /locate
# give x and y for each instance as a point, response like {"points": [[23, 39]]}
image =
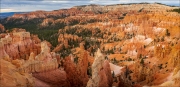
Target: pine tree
{"points": [[142, 61], [167, 32], [113, 74]]}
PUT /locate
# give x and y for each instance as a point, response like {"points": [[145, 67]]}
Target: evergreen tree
{"points": [[113, 74], [126, 72], [142, 61], [167, 32], [76, 60], [89, 71], [106, 58]]}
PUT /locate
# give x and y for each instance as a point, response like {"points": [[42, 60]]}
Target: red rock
{"points": [[107, 70], [77, 74], [55, 78]]}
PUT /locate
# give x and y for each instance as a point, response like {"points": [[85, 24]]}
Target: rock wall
{"points": [[44, 61], [19, 45], [20, 56]]}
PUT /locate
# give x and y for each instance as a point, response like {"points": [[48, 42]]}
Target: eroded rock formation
{"points": [[144, 37], [54, 78], [19, 45], [79, 68], [101, 74], [16, 68]]}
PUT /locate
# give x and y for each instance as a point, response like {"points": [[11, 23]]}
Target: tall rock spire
{"points": [[101, 74]]}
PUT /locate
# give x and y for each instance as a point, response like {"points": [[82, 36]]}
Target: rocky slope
{"points": [[11, 77]]}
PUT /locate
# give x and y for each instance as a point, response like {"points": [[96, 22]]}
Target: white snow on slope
{"points": [[132, 52], [158, 30], [148, 41], [115, 68]]}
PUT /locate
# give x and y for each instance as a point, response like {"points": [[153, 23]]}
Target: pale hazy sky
{"points": [[48, 5]]}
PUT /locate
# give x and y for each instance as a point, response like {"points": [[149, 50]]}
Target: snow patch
{"points": [[115, 68], [107, 23], [140, 37], [148, 41], [151, 48], [158, 30], [132, 52]]}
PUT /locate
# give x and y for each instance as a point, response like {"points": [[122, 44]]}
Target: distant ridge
{"points": [[8, 14]]}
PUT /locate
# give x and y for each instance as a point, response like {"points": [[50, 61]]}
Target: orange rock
{"points": [[2, 29], [11, 77], [79, 76], [101, 73], [54, 78]]}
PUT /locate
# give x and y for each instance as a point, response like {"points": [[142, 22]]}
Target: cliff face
{"points": [[101, 73], [44, 61], [19, 45], [17, 61], [45, 14]]}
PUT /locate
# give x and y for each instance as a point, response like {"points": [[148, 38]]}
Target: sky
{"points": [[49, 5]]}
